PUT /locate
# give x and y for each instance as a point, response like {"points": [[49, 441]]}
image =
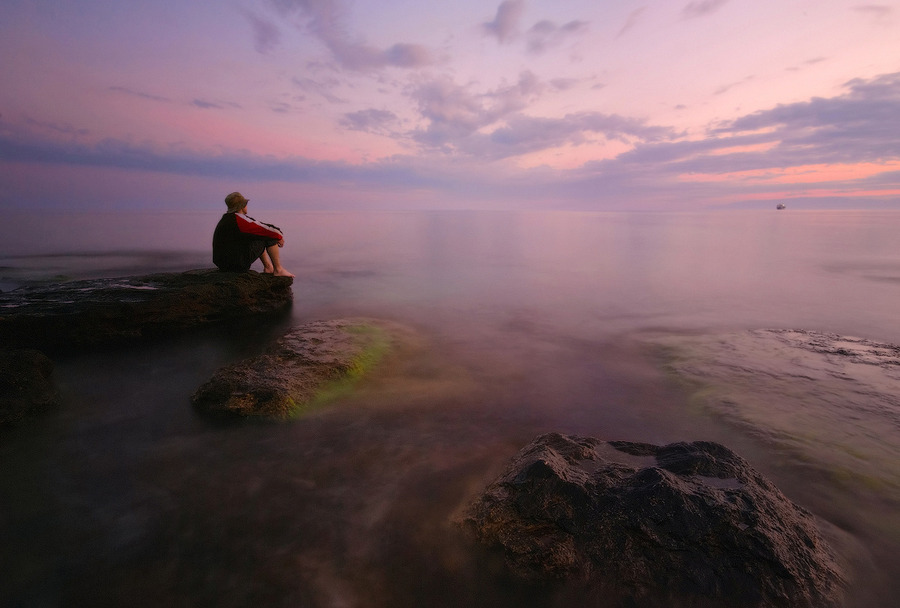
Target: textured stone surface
{"points": [[26, 385], [310, 364], [687, 524], [79, 314]]}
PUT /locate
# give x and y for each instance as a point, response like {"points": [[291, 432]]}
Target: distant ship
{"points": [[781, 206]]}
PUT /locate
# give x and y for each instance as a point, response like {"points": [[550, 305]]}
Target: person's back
{"points": [[228, 253], [239, 240]]}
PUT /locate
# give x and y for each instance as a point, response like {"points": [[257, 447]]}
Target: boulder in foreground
{"points": [[26, 385], [102, 311], [686, 524], [309, 365]]}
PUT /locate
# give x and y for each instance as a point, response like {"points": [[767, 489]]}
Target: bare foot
{"points": [[268, 271], [281, 272]]}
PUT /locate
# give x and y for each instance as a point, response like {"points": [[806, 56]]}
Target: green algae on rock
{"points": [[309, 366]]}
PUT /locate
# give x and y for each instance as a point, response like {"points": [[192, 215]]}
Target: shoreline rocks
{"points": [[311, 364], [97, 312], [687, 524]]}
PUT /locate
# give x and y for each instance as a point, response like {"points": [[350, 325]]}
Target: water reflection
{"points": [[523, 325]]}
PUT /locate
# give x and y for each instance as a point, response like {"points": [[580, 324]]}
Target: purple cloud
{"points": [[505, 25], [55, 128], [877, 11], [702, 8], [323, 20], [546, 34], [806, 64], [266, 35], [370, 121], [322, 87], [206, 105], [727, 87], [212, 105], [858, 126], [454, 112], [459, 121], [524, 134], [140, 94], [633, 18], [564, 84]]}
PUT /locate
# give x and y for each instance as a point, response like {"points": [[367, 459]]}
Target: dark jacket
{"points": [[239, 240]]}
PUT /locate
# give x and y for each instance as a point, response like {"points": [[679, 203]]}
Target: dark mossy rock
{"points": [[311, 364], [687, 524], [26, 385], [89, 313]]}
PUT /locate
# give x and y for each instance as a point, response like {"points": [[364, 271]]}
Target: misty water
{"points": [[519, 323]]}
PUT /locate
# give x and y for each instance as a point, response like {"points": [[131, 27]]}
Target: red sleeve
{"points": [[249, 225]]}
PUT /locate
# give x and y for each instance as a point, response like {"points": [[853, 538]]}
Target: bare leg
{"points": [[277, 269], [268, 267]]}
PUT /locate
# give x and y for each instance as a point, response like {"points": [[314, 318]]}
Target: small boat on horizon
{"points": [[781, 206]]}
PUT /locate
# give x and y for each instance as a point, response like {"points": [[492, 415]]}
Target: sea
{"points": [[519, 323]]}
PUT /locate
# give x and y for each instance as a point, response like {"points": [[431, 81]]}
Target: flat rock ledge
{"points": [[26, 385], [87, 313], [310, 365], [686, 524]]}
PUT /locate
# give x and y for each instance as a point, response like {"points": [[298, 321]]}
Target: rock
{"points": [[26, 385], [826, 401], [311, 364], [79, 314], [686, 524]]}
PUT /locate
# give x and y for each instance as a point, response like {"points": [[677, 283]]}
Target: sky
{"points": [[403, 104]]}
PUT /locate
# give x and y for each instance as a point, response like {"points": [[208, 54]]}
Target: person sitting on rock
{"points": [[239, 240]]}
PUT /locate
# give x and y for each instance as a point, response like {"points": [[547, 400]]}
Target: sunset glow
{"points": [[523, 103], [807, 174]]}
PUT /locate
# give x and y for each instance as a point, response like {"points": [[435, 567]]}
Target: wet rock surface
{"points": [[686, 524], [96, 312], [309, 365], [26, 385]]}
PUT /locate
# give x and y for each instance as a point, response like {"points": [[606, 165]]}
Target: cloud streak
{"points": [[859, 126], [780, 149], [702, 8], [876, 11], [141, 95], [633, 19], [323, 19], [369, 121]]}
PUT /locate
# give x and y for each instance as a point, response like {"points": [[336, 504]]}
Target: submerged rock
{"points": [[309, 365], [828, 403], [686, 524], [26, 385], [103, 311]]}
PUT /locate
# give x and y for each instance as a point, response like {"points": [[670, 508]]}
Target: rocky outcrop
{"points": [[686, 524], [26, 385], [80, 314], [309, 365]]}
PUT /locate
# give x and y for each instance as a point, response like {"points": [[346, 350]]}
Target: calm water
{"points": [[524, 323]]}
